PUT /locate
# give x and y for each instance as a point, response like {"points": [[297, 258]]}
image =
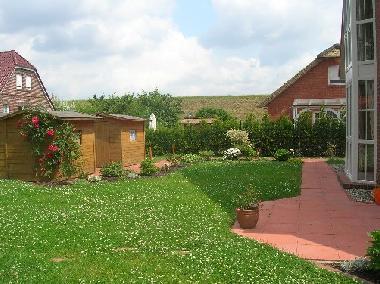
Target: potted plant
{"points": [[376, 195], [247, 211]]}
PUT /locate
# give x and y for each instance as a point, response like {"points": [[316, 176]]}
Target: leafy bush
{"points": [[113, 169], [191, 158], [238, 137], [231, 154], [248, 151], [295, 161], [282, 155], [54, 144], [374, 250], [148, 168], [206, 155]]}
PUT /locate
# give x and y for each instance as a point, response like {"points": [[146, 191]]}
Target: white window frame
{"points": [[18, 81], [28, 82], [6, 108], [360, 70], [333, 76], [132, 135]]}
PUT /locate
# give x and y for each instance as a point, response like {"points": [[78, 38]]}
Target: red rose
{"points": [[50, 132], [49, 155], [36, 125], [35, 120], [53, 148]]}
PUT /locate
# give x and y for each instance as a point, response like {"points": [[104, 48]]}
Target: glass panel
{"points": [[362, 95], [364, 9], [362, 125], [370, 94], [365, 42], [370, 163], [361, 162], [370, 125]]}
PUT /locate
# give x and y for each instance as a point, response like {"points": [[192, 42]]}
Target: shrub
{"points": [[206, 155], [113, 169], [148, 168], [191, 158], [374, 250], [248, 151], [238, 137], [54, 144], [295, 161], [231, 154], [208, 112], [282, 155]]}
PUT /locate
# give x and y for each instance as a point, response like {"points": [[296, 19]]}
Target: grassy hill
{"points": [[239, 106]]}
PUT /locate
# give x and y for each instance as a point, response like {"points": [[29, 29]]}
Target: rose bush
{"points": [[54, 144]]}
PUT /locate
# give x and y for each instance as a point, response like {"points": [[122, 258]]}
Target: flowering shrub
{"points": [[231, 154], [54, 144], [238, 137]]}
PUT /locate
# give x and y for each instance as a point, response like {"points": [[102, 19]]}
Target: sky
{"points": [[182, 47]]}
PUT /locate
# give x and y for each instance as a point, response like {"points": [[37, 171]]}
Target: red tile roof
{"points": [[9, 60]]}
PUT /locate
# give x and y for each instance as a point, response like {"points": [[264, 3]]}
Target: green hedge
{"points": [[323, 138]]}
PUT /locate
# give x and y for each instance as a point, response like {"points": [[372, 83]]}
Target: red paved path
{"points": [[321, 224]]}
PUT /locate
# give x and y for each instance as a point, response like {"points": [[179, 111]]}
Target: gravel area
{"points": [[360, 195]]}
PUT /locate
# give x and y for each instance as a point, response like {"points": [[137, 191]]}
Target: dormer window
{"points": [[28, 82], [18, 81], [5, 108], [334, 78]]}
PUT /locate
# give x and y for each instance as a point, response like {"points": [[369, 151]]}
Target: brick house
{"points": [[20, 84], [317, 85], [361, 68]]}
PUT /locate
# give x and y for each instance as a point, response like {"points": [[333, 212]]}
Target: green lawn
{"points": [[171, 229]]}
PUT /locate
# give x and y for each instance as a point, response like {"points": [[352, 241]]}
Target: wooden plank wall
{"points": [[133, 151], [3, 169], [20, 161], [88, 158]]}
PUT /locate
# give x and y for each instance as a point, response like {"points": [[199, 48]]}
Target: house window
{"points": [[347, 33], [333, 76], [365, 30], [28, 82], [5, 108], [364, 10], [132, 135], [18, 82]]}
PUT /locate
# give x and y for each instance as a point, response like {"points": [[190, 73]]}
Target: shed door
{"points": [[102, 144]]}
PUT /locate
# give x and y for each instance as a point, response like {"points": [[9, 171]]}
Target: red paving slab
{"points": [[321, 224]]}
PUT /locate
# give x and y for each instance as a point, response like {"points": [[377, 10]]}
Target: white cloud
{"points": [[121, 46]]}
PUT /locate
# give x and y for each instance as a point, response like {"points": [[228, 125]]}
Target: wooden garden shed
{"points": [[120, 138], [16, 160]]}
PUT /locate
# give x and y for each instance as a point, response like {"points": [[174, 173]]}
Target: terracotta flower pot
{"points": [[247, 218], [376, 195]]}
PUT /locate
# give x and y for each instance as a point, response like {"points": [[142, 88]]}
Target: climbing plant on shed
{"points": [[55, 144]]}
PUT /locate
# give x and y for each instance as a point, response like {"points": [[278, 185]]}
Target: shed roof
{"points": [[331, 52], [72, 115], [63, 115], [122, 117]]}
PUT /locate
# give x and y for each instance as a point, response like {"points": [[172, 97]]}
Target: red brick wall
{"points": [[15, 98], [377, 15], [313, 85]]}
